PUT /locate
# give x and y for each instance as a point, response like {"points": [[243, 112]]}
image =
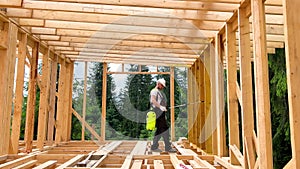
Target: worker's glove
{"points": [[162, 108]]}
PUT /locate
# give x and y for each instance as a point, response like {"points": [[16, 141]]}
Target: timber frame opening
{"points": [[208, 37]]}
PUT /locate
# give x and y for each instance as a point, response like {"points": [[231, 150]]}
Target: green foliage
{"points": [[279, 109]]}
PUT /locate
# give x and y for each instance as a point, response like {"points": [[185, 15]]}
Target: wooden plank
{"points": [[231, 67], [52, 98], [104, 95], [71, 161], [203, 163], [137, 164], [29, 164], [226, 164], [11, 3], [17, 162], [139, 148], [291, 8], [158, 164], [93, 132], [84, 101], [237, 154], [290, 165], [47, 165], [7, 68], [16, 123], [44, 101], [262, 93]]}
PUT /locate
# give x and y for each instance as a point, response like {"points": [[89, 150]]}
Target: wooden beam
{"points": [[291, 8], [246, 100], [135, 61], [262, 93], [44, 101], [104, 98], [214, 6], [16, 123], [127, 10], [162, 20], [130, 29], [233, 117], [7, 70], [52, 100], [30, 110]]}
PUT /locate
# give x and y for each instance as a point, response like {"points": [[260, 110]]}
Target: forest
{"points": [[128, 103]]}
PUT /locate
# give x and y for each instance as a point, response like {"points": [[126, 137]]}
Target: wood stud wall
{"points": [[246, 29]]}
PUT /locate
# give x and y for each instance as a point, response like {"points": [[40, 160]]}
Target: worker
{"points": [[158, 103]]}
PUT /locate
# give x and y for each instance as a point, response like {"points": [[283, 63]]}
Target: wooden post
{"points": [[190, 107], [197, 102], [7, 67], [29, 126], [84, 101], [44, 101], [246, 86], [194, 99], [214, 99], [70, 102], [52, 96], [16, 123], [60, 102], [66, 101], [292, 35], [262, 93], [220, 98], [172, 102], [201, 116], [233, 118], [207, 102], [104, 95]]}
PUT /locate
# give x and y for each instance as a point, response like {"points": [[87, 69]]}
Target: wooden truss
{"points": [[206, 36]]}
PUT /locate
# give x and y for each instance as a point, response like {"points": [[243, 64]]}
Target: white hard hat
{"points": [[162, 81]]}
